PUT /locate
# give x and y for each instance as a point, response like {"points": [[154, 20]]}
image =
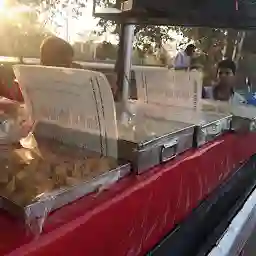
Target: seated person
{"points": [[56, 52], [59, 53], [224, 89]]}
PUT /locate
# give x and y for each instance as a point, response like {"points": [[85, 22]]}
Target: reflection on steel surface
{"points": [[239, 230]]}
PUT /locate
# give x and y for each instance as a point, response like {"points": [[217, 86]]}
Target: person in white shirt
{"points": [[183, 59], [224, 89]]}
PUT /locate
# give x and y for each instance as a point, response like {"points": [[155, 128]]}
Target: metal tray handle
{"points": [[213, 129], [169, 151], [226, 125], [252, 127]]}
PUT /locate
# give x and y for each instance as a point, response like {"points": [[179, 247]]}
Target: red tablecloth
{"points": [[135, 214]]}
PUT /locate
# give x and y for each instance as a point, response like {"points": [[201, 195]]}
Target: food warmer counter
{"points": [[244, 116], [148, 141], [47, 169], [133, 215], [34, 182], [209, 125]]}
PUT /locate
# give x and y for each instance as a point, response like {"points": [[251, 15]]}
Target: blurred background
{"points": [[25, 23]]}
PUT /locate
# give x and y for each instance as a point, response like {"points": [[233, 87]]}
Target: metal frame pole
{"points": [[124, 61], [123, 67], [127, 61]]}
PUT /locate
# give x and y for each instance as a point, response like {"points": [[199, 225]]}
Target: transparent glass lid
{"points": [[143, 128]]}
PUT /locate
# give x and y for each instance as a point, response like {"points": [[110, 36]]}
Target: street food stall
{"points": [[91, 176]]}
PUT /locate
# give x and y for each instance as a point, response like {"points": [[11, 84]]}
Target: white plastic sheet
{"points": [[80, 100], [180, 88]]}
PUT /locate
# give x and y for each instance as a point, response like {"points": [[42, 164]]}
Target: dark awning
{"points": [[239, 14]]}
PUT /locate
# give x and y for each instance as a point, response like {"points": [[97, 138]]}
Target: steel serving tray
{"points": [[209, 125], [147, 141], [243, 124], [243, 116], [35, 213]]}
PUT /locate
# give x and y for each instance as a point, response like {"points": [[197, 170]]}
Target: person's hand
{"points": [[18, 120]]}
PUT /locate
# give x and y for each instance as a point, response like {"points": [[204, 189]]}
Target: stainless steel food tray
{"points": [[35, 213], [243, 124], [147, 142], [209, 125], [243, 116], [212, 126]]}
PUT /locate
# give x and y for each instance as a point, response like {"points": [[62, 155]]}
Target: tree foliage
{"points": [[105, 51], [22, 34], [205, 38], [212, 43]]}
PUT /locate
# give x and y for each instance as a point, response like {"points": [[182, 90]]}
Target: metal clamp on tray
{"points": [[169, 151], [209, 132]]}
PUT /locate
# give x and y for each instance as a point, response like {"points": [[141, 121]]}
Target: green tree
{"points": [[23, 35], [212, 43], [105, 51]]}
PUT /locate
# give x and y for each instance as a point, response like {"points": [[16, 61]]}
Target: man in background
{"points": [[183, 60], [224, 88], [57, 52], [54, 51]]}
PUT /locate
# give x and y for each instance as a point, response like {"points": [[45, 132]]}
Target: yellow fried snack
{"points": [[70, 181], [4, 175], [22, 155], [60, 175], [10, 187], [26, 175], [102, 164], [45, 187]]}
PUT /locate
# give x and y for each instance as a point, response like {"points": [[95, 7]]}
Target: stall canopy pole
{"points": [[128, 36]]}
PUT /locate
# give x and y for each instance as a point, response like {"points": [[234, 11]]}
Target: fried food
{"points": [[27, 174]]}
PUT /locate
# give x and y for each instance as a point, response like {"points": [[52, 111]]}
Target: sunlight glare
{"points": [[2, 5]]}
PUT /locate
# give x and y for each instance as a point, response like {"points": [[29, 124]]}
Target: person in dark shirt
{"points": [[54, 51], [57, 52]]}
